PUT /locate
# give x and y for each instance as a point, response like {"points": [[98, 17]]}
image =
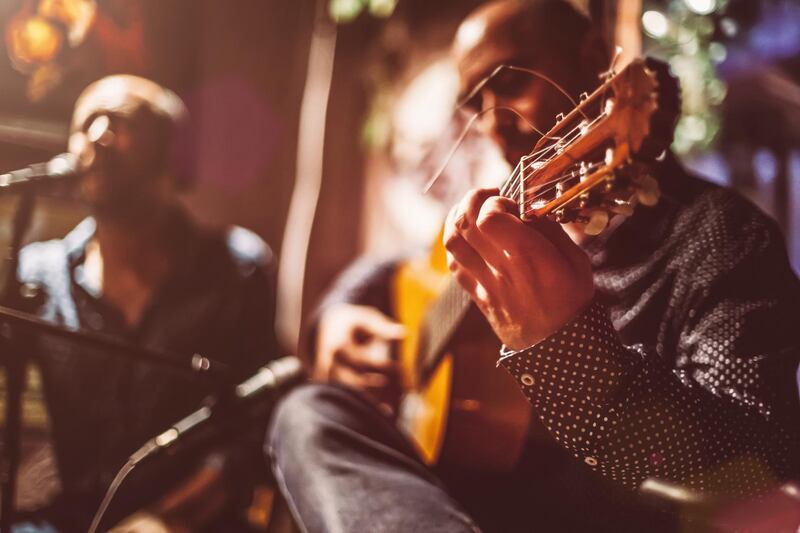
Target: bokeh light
{"points": [[655, 24], [701, 7]]}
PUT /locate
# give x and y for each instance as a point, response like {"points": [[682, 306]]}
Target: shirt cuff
{"points": [[584, 358]]}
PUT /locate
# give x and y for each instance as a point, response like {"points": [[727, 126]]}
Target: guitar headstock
{"points": [[594, 162]]}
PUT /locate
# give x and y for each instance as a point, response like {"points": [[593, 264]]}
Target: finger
{"points": [[465, 224], [372, 323], [460, 255], [467, 245], [467, 281], [554, 232], [351, 377], [322, 363], [476, 292], [321, 371], [373, 357], [507, 231], [465, 212], [459, 217]]}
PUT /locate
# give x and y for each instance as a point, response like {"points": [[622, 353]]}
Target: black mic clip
{"points": [[231, 409]]}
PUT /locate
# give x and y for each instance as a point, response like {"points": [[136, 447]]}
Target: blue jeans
{"points": [[344, 467]]}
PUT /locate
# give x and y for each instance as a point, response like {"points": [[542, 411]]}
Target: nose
{"points": [[494, 122], [488, 118]]}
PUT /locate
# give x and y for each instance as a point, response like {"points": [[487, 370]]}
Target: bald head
{"points": [[538, 34], [548, 36], [125, 95]]}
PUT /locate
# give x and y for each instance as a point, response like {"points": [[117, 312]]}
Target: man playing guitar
{"points": [[661, 348]]}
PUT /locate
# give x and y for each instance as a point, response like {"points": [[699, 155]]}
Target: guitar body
{"points": [[465, 411]]}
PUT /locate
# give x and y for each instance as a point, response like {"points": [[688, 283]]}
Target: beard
{"points": [[126, 199]]}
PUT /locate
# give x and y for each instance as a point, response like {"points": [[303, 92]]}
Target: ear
{"points": [[595, 58]]}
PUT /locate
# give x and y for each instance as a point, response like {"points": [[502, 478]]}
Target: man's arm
{"points": [[716, 415], [351, 333], [365, 282], [627, 414]]}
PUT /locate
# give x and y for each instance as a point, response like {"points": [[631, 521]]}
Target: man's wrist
{"points": [[586, 352], [589, 313]]}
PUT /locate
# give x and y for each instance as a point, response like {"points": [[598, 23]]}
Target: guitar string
{"points": [[514, 185], [566, 175], [519, 184], [513, 180], [573, 174], [480, 85], [465, 131], [486, 79], [548, 147]]}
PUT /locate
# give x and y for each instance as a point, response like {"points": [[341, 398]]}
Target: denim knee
{"points": [[300, 419]]}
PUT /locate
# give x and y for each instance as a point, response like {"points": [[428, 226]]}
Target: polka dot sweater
{"points": [[683, 367]]}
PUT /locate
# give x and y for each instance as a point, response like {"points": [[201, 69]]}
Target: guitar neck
{"points": [[439, 324], [447, 311]]}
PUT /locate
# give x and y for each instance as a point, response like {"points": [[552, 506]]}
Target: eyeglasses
{"points": [[506, 83]]}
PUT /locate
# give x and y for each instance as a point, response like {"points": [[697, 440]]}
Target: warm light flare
{"points": [[33, 40], [76, 15], [39, 35]]}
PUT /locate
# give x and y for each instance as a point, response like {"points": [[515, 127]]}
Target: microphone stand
{"points": [[13, 359], [15, 341], [197, 365]]}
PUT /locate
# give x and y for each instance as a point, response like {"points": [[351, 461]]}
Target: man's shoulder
{"points": [[716, 227], [247, 250], [40, 261], [726, 215]]}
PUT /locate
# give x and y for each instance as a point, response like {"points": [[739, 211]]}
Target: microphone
{"points": [[267, 381], [60, 169]]}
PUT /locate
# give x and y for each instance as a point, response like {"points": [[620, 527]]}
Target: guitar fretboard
{"points": [[447, 311], [439, 324]]}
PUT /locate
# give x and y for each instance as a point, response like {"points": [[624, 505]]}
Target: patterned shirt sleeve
{"points": [[627, 413]]}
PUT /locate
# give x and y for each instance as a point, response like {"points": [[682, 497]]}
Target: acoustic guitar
{"points": [[460, 409]]}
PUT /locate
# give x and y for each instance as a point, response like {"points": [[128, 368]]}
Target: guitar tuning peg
{"points": [[566, 215], [648, 191], [597, 222], [622, 207]]}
